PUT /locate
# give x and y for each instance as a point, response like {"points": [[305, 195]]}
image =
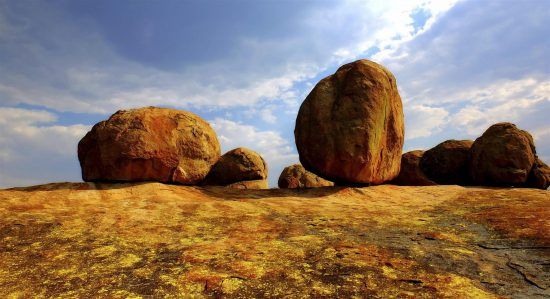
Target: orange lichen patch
{"points": [[514, 213], [156, 240]]}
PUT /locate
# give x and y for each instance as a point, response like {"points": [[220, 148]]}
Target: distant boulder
{"points": [[237, 165], [447, 162], [411, 174], [350, 128], [503, 156], [256, 184], [149, 144], [539, 177], [296, 176]]}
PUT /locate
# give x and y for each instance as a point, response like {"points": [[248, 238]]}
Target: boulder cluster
{"points": [[349, 131], [165, 145], [502, 156]]}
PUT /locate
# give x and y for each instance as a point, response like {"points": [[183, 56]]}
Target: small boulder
{"points": [[149, 144], [447, 163], [411, 174], [503, 156], [296, 176], [349, 129], [256, 184], [539, 176], [240, 164]]}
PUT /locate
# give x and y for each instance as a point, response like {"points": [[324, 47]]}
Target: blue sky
{"points": [[246, 66]]}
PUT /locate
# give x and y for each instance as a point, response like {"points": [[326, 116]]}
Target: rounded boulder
{"points": [[350, 128], [240, 164], [539, 176], [411, 174], [447, 162], [149, 144], [503, 156], [296, 176]]}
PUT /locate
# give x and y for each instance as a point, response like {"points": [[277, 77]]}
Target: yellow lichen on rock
{"points": [[155, 240]]}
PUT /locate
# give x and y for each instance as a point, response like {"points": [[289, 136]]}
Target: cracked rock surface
{"points": [[155, 240]]}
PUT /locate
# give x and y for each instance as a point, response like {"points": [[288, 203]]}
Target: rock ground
{"points": [[156, 240]]}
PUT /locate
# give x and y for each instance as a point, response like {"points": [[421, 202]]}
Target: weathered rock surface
{"points": [[296, 176], [503, 156], [447, 163], [152, 240], [411, 174], [240, 164], [539, 176], [149, 144], [350, 127]]}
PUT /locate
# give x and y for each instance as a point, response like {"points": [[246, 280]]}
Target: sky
{"points": [[246, 66]]}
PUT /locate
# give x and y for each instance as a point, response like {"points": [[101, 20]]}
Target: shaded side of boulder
{"points": [[350, 128], [539, 177], [296, 176], [411, 174], [149, 144], [255, 184], [447, 163], [240, 164], [503, 156]]}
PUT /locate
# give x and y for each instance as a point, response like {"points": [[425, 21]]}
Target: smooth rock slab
{"points": [[153, 240]]}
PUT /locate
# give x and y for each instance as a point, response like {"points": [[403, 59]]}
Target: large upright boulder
{"points": [[447, 162], [237, 165], [296, 176], [411, 174], [504, 156], [350, 127], [149, 144]]}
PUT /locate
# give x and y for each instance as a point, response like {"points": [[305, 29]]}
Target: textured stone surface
{"points": [[411, 174], [255, 184], [296, 176], [149, 144], [502, 156], [240, 164], [448, 162], [89, 240], [539, 176], [350, 127]]}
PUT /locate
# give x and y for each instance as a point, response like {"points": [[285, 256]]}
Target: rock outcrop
{"points": [[447, 163], [149, 144], [539, 177], [237, 165], [151, 240], [503, 156], [350, 127], [296, 176], [411, 174]]}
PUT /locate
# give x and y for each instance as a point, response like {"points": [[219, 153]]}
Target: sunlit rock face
{"points": [[350, 127], [149, 144]]}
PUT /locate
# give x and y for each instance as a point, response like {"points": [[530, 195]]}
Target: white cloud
{"points": [[34, 151], [275, 149], [423, 121], [504, 100], [89, 76]]}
